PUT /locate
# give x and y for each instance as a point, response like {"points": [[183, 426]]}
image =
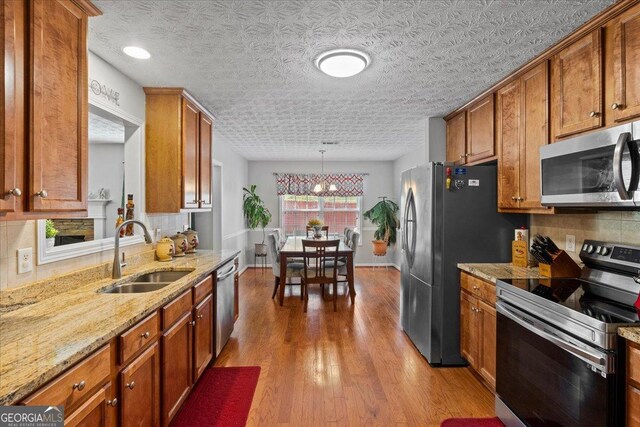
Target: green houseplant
{"points": [[50, 232], [384, 215], [257, 215]]}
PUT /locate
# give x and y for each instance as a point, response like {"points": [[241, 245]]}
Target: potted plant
{"points": [[50, 233], [257, 215], [384, 215], [316, 224]]}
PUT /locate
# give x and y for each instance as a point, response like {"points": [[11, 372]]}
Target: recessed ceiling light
{"points": [[342, 62], [136, 52]]}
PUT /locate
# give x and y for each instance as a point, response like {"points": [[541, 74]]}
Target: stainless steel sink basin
{"points": [[161, 276], [135, 288], [147, 282]]}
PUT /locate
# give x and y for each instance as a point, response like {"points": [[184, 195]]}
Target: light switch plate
{"points": [[25, 260], [570, 243], [185, 227]]}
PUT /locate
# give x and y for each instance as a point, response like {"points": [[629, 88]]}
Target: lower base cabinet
{"points": [[97, 411], [176, 366], [140, 390], [478, 323], [202, 336], [633, 384]]}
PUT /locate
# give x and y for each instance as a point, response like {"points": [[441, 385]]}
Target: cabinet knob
{"points": [[42, 193], [131, 385], [113, 402], [519, 199], [200, 316], [15, 192], [514, 198], [145, 335], [468, 155], [616, 106], [79, 386], [594, 114], [192, 323]]}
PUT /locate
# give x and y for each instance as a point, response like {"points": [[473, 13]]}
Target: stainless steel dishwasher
{"points": [[224, 304]]}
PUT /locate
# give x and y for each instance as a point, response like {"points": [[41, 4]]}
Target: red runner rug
{"points": [[222, 397], [472, 422]]}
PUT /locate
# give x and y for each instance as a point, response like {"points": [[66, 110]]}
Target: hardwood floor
{"points": [[353, 367]]}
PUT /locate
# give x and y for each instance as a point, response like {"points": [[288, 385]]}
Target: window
{"points": [[336, 212]]}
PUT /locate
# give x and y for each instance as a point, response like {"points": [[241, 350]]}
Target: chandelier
{"points": [[321, 187]]}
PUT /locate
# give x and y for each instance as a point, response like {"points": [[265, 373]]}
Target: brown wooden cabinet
{"points": [[202, 336], [97, 411], [480, 131], [522, 113], [177, 359], [457, 138], [633, 384], [576, 86], [178, 152], [625, 79], [478, 326], [140, 390]]}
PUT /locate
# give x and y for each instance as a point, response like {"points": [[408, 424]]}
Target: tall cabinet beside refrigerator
{"points": [[442, 227]]}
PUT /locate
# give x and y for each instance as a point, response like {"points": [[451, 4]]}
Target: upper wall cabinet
{"points": [[44, 108], [470, 133], [178, 152], [576, 86], [625, 103]]}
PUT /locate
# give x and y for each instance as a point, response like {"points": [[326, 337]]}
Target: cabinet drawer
{"points": [[176, 309], [633, 363], [202, 289], [77, 383], [478, 287], [138, 336]]}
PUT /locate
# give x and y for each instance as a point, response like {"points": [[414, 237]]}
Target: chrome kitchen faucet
{"points": [[117, 266]]}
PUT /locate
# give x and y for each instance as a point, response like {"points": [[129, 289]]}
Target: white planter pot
{"points": [[51, 241]]}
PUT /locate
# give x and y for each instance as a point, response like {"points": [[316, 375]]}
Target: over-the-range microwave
{"points": [[600, 169]]}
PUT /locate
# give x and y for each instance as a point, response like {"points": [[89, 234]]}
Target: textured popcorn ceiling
{"points": [[251, 63], [103, 130]]}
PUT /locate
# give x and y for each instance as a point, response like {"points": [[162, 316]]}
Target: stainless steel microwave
{"points": [[600, 169]]}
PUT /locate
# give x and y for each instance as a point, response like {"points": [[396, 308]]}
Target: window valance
{"points": [[301, 184]]}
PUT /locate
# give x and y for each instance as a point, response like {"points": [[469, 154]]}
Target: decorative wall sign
{"points": [[105, 92]]}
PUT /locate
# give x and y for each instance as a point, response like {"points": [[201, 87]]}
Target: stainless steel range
{"points": [[559, 360]]}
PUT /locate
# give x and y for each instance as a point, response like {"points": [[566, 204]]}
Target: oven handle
{"points": [[623, 140], [592, 358]]}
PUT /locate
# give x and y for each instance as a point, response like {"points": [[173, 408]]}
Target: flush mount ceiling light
{"points": [[136, 52], [342, 62]]}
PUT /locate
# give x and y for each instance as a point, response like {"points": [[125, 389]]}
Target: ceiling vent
{"points": [[330, 143]]}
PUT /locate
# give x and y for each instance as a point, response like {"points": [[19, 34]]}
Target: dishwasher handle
{"points": [[232, 270]]}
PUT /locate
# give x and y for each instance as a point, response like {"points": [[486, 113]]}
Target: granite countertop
{"points": [[40, 340], [632, 333], [494, 271]]}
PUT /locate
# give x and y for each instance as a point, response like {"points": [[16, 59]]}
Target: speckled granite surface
{"points": [[45, 336], [632, 333], [494, 271]]}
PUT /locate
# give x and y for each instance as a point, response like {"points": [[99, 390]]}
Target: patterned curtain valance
{"points": [[301, 184]]}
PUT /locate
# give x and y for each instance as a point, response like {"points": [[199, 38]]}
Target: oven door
{"points": [[547, 378], [598, 169]]}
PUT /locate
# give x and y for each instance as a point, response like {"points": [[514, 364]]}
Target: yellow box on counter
{"points": [[520, 253]]}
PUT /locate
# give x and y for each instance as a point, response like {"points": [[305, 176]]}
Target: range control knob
{"points": [[598, 248], [585, 246], [604, 251], [590, 249]]}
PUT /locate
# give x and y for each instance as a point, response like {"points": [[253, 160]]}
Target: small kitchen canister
{"points": [[192, 240], [165, 249], [180, 243]]}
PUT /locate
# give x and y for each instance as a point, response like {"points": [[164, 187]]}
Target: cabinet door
{"points": [[468, 328], [190, 146], [457, 138], [205, 161], [626, 65], [202, 336], [535, 134], [11, 123], [480, 135], [97, 411], [487, 342], [176, 367], [633, 406], [58, 94], [140, 390], [508, 132], [577, 86]]}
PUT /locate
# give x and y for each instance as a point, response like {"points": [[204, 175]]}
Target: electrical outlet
{"points": [[25, 260], [570, 243], [158, 234]]}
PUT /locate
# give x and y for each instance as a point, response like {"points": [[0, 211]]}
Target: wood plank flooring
{"points": [[353, 367]]}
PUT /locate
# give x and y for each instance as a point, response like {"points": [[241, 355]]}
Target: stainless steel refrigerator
{"points": [[442, 227]]}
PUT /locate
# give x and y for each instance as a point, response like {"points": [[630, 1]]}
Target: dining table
{"points": [[293, 248]]}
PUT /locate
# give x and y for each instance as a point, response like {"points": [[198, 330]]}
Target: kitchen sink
{"points": [[147, 282]]}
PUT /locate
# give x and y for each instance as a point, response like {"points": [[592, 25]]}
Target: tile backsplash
{"points": [[615, 226], [23, 234]]}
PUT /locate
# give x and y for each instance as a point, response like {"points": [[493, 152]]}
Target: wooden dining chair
{"points": [[324, 229], [320, 267], [294, 269]]}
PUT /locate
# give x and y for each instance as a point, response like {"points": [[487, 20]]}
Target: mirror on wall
{"points": [[113, 179]]}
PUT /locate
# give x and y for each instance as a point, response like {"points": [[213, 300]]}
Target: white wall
{"points": [[105, 171], [379, 182]]}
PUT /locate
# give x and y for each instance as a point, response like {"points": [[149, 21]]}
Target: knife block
{"points": [[563, 266]]}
